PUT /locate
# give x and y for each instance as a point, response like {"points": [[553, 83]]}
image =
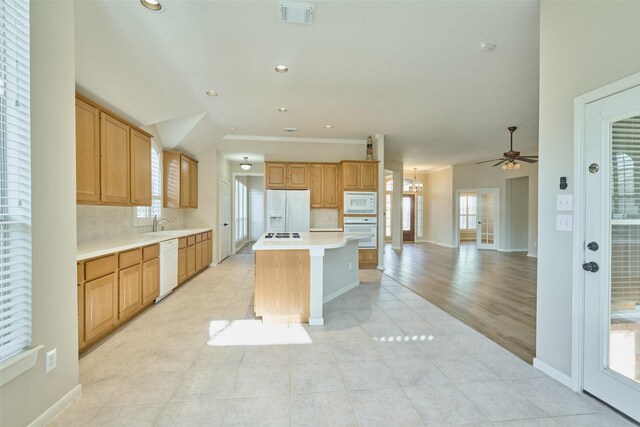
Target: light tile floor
{"points": [[385, 357]]}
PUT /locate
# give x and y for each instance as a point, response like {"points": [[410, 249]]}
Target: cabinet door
{"points": [[80, 316], [198, 256], [191, 260], [87, 153], [209, 251], [130, 291], [316, 185], [351, 175], [276, 175], [171, 179], [114, 164], [100, 305], [298, 175], [193, 184], [140, 169], [182, 265], [369, 179], [150, 280], [185, 181], [331, 194]]}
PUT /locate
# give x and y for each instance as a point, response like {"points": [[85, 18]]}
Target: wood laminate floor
{"points": [[492, 292]]}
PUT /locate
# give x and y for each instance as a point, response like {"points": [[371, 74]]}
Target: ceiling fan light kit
{"points": [[509, 159]]}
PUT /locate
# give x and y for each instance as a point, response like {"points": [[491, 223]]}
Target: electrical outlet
{"points": [[350, 266], [50, 361]]}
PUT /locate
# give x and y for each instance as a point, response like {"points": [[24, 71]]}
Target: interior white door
{"points": [[488, 208], [256, 215], [612, 250], [225, 219]]}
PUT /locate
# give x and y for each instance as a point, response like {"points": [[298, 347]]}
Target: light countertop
{"points": [[98, 248], [324, 229], [328, 240]]}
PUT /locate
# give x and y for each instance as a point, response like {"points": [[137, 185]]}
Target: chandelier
{"points": [[414, 185]]}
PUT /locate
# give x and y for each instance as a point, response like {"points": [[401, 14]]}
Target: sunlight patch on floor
{"points": [[405, 338], [254, 332]]}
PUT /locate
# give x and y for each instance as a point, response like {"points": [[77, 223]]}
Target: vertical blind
{"points": [[15, 179]]}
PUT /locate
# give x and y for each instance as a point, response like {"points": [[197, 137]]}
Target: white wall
{"points": [[437, 207], [583, 46], [287, 151], [517, 213], [54, 306], [472, 176]]}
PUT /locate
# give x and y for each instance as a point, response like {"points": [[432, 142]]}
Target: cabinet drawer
{"points": [[182, 243], [129, 258], [198, 238], [209, 235], [204, 236], [150, 252], [100, 267], [191, 240]]}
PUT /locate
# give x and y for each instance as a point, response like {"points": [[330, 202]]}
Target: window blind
{"points": [[148, 212], [15, 179]]}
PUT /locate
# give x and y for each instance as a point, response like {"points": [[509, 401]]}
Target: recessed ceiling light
{"points": [[328, 126], [283, 109], [153, 5], [281, 68], [212, 93], [233, 127], [487, 46], [290, 129]]}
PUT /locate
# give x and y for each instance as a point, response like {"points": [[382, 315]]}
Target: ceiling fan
{"points": [[510, 157]]}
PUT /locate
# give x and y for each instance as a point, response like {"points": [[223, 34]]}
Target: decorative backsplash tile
{"points": [[324, 218], [104, 222]]}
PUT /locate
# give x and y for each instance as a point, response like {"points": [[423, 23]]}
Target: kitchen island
{"points": [[296, 276]]}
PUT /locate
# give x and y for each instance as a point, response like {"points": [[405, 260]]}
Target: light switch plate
{"points": [[564, 202], [564, 223]]}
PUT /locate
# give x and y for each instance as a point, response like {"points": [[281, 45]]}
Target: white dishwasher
{"points": [[168, 267]]}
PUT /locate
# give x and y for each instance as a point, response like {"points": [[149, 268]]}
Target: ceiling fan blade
{"points": [[500, 162], [487, 161], [530, 157], [526, 159]]}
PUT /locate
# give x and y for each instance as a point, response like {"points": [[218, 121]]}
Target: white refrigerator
{"points": [[288, 210]]}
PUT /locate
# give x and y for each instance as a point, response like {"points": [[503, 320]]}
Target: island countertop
{"points": [[327, 240]]}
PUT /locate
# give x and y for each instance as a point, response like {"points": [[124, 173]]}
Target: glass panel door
{"points": [[487, 201]]}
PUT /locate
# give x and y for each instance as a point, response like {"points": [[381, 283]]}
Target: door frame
{"points": [[456, 222], [576, 381], [412, 216], [222, 180]]}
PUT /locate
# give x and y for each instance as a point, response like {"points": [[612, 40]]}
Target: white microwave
{"points": [[360, 203]]}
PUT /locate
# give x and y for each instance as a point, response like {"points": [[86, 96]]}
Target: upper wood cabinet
{"points": [[323, 183], [359, 175], [113, 158], [87, 153], [282, 176], [180, 179], [140, 169]]}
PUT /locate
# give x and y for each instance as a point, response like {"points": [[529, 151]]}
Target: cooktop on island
{"points": [[282, 236]]}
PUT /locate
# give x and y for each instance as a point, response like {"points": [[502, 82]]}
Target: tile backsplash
{"points": [[324, 218], [104, 222]]}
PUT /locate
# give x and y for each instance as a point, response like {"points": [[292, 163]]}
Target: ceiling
{"points": [[411, 70]]}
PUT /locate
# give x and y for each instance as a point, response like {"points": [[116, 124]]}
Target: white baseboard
{"points": [[561, 377], [55, 409], [340, 292], [380, 267], [529, 254], [436, 243]]}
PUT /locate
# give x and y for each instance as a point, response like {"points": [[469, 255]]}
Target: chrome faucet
{"points": [[157, 221]]}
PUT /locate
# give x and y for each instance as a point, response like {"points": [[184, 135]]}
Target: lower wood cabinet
{"points": [[114, 288], [150, 280], [101, 306], [368, 258], [130, 291], [182, 265], [191, 260]]}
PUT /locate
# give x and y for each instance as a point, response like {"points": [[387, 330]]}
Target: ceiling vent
{"points": [[295, 12]]}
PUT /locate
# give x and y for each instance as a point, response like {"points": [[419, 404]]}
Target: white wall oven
{"points": [[360, 203], [363, 224]]}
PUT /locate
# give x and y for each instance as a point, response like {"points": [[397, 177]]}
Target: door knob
{"points": [[593, 246], [591, 266], [225, 224]]}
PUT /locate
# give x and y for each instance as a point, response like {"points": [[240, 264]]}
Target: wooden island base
{"points": [[282, 286]]}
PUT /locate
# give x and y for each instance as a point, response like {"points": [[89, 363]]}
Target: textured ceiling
{"points": [[412, 70]]}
